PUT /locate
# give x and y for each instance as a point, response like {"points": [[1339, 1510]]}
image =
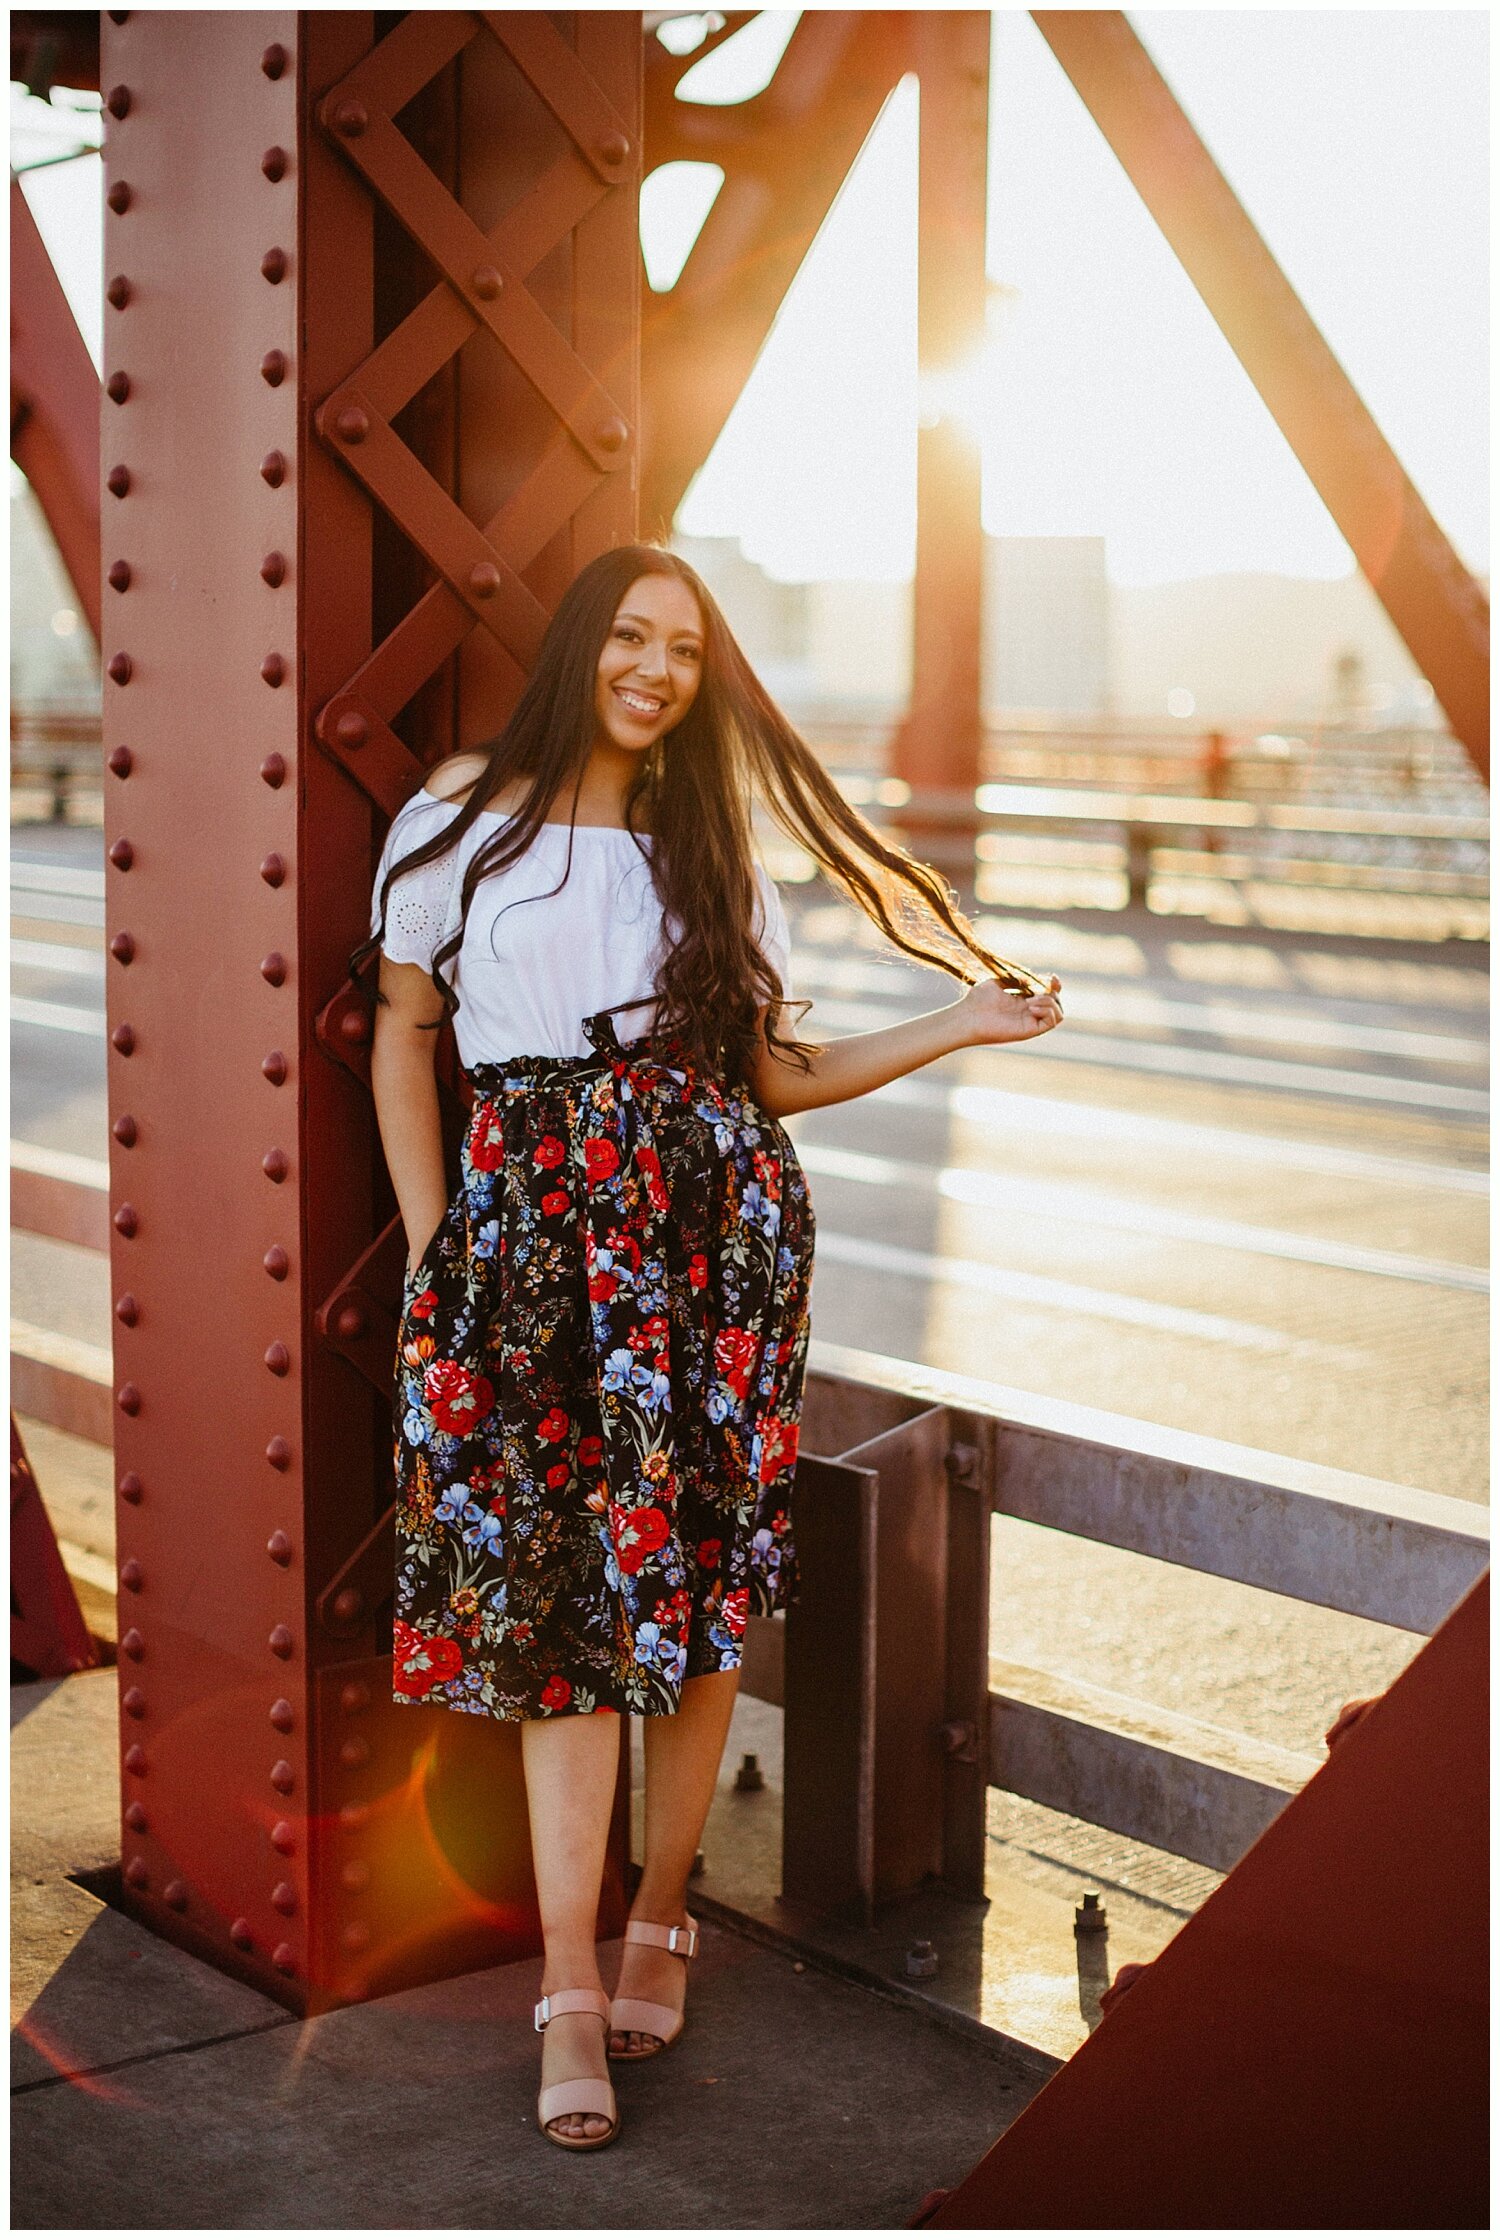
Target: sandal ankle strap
{"points": [[569, 2002], [682, 1942]]}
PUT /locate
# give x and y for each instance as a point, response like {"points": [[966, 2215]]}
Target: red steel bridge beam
{"points": [[54, 406], [1440, 610], [335, 535]]}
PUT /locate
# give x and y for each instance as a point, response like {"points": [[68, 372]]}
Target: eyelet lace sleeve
{"points": [[772, 930], [422, 906]]}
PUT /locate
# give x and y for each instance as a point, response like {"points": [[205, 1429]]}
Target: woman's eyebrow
{"points": [[645, 621]]}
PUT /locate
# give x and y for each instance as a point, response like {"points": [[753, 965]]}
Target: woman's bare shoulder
{"points": [[454, 778]]}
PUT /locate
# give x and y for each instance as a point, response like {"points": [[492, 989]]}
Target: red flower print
{"points": [[557, 1692], [558, 1474], [734, 1351], [709, 1552], [590, 1453], [422, 1306], [778, 1448], [486, 1143], [600, 1158], [549, 1153], [553, 1425], [555, 1201], [650, 1165], [603, 1284], [737, 1610], [498, 1505], [637, 1533], [698, 1271], [423, 1661], [457, 1397], [625, 1249]]}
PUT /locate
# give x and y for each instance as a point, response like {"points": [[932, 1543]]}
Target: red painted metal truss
{"points": [[54, 406]]}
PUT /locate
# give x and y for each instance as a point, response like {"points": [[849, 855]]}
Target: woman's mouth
{"points": [[642, 704]]}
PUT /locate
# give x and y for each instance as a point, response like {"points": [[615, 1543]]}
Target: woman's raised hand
{"points": [[991, 1013]]}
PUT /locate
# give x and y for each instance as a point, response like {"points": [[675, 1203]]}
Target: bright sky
{"points": [[1110, 404]]}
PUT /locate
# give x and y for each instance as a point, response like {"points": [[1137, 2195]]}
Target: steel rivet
{"points": [[352, 424], [282, 1716], [273, 968], [277, 1359], [284, 1838], [137, 1817], [283, 1779], [122, 948], [131, 1575], [241, 1933], [348, 1605], [274, 1165], [122, 856], [354, 1025], [278, 1453], [350, 119], [279, 1641], [272, 870], [117, 481], [613, 148], [273, 570], [273, 1067], [276, 1264], [273, 368], [128, 1311], [130, 1487], [354, 1752], [354, 1815], [284, 1960], [133, 1644], [349, 1319], [118, 15], [274, 61], [129, 1399], [352, 729], [284, 1898], [117, 387], [273, 163], [135, 1873], [118, 580], [121, 668], [135, 1759], [273, 266], [273, 770], [356, 1936], [486, 283], [119, 291], [124, 1130], [610, 434], [123, 1039], [279, 1548], [356, 1874], [484, 579], [121, 761], [117, 102], [127, 1221], [273, 469], [119, 198], [354, 1696], [273, 670], [133, 1702]]}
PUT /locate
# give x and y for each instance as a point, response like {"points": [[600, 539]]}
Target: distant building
{"points": [[769, 619], [1046, 626]]}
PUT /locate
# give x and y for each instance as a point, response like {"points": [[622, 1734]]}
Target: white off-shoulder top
{"points": [[535, 964]]}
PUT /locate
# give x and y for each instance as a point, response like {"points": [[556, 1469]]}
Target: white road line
{"points": [[1202, 1065], [1076, 1298], [62, 1166], [58, 956], [1051, 1117], [1140, 1217], [64, 1018]]}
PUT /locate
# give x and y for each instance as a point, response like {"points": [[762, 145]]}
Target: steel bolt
{"points": [[350, 119], [284, 1838], [354, 1815], [121, 761], [241, 1933], [351, 424], [127, 1220], [749, 1777], [125, 1131], [277, 1359], [352, 730], [273, 469], [279, 1455], [273, 368], [282, 1716], [284, 1960], [134, 1760], [122, 948], [276, 1264], [279, 1548], [128, 1311], [121, 668], [131, 1575], [118, 292], [130, 1488], [136, 1873], [283, 1780], [273, 570], [273, 968], [273, 1066], [354, 1025], [273, 670], [349, 1319], [613, 148], [273, 163], [275, 1165], [133, 1644], [273, 870], [486, 283], [129, 1399], [273, 266], [133, 1703], [354, 1753], [484, 579], [137, 1817], [354, 1696], [348, 1605], [611, 434], [279, 1641], [274, 61], [273, 771], [117, 387], [123, 1039], [122, 855], [176, 1894], [117, 102], [119, 580], [119, 198], [117, 481], [922, 1958]]}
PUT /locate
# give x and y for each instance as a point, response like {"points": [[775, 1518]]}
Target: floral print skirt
{"points": [[599, 1385]]}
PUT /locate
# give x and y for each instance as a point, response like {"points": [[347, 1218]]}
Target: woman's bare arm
{"points": [[406, 1099], [852, 1067]]}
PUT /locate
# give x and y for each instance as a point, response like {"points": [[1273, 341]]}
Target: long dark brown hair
{"points": [[693, 795]]}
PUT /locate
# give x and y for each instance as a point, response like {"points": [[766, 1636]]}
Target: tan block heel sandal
{"points": [[648, 2015], [578, 2096]]}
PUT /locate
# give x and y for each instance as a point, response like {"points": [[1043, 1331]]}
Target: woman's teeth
{"points": [[638, 704]]}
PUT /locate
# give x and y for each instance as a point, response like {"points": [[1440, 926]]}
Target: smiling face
{"points": [[650, 663]]}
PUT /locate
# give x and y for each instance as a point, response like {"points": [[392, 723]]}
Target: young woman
{"points": [[604, 1331]]}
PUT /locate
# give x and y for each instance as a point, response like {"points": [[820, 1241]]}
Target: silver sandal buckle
{"points": [[542, 2014], [689, 1945]]}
